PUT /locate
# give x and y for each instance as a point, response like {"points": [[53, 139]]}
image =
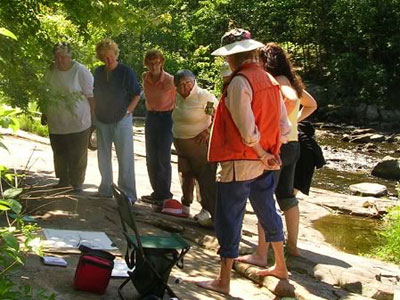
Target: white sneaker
{"points": [[206, 222], [186, 210], [202, 215]]}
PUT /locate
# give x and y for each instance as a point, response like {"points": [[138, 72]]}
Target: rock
{"points": [[328, 273], [345, 112], [367, 204], [363, 138], [388, 168], [360, 109], [388, 114], [396, 294], [353, 285], [386, 126], [397, 112], [363, 282], [397, 138], [345, 138], [372, 113], [390, 139], [370, 146], [368, 189], [377, 138], [378, 291], [363, 131]]}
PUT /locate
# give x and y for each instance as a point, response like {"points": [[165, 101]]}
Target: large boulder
{"points": [[360, 110], [372, 113], [388, 168], [368, 189], [388, 115]]}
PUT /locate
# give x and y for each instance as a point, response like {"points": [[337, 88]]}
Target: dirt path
{"points": [[322, 273]]}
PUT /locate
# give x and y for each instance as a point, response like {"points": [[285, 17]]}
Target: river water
{"points": [[349, 163]]}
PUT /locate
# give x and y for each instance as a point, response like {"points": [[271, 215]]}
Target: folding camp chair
{"points": [[151, 257]]}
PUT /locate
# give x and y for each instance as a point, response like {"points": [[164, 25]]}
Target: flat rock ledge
{"points": [[368, 189], [353, 205]]}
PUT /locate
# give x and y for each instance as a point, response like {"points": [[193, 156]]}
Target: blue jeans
{"points": [[230, 208], [158, 135], [284, 192], [121, 134]]}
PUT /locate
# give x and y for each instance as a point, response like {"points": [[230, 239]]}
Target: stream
{"points": [[349, 163]]}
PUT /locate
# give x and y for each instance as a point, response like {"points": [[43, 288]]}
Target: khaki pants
{"points": [[193, 164]]}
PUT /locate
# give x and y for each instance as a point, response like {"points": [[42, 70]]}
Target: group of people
{"points": [[176, 113], [106, 99], [243, 146]]}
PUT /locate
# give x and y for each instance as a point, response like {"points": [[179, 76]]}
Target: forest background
{"points": [[348, 49]]}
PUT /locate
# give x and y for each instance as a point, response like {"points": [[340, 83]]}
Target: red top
{"points": [[225, 142], [160, 94]]}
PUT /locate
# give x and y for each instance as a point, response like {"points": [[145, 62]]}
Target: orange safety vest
{"points": [[226, 142]]}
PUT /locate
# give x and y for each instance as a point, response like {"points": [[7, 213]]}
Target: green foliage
{"points": [[7, 120], [390, 250], [16, 240], [7, 33], [31, 123], [351, 47]]}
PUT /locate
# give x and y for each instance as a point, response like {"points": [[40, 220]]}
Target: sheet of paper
{"points": [[57, 238], [120, 269]]}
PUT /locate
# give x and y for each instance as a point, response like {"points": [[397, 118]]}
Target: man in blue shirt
{"points": [[116, 93]]}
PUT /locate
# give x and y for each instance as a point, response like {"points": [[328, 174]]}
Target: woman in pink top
{"points": [[159, 91]]}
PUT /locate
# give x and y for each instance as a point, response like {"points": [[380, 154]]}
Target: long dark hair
{"points": [[277, 63]]}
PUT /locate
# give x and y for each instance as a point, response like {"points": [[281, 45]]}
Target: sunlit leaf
{"points": [[7, 33], [5, 205], [12, 193]]}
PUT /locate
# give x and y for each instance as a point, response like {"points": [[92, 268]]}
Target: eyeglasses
{"points": [[154, 63]]}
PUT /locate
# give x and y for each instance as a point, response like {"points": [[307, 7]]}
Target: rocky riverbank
{"points": [[322, 272]]}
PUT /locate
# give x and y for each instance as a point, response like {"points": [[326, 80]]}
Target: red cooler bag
{"points": [[94, 269]]}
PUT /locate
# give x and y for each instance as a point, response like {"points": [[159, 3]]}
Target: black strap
{"points": [[95, 252]]}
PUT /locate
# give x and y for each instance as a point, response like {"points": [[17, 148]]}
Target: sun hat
{"points": [[225, 70], [236, 41], [174, 208]]}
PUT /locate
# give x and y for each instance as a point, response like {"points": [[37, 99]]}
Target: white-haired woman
{"points": [[192, 118]]}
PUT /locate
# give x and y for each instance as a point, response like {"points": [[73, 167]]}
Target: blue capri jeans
{"points": [[230, 208]]}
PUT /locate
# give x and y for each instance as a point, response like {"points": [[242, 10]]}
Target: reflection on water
{"points": [[353, 235]]}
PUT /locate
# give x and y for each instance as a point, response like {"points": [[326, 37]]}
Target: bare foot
{"points": [[253, 259], [213, 285], [273, 271]]}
